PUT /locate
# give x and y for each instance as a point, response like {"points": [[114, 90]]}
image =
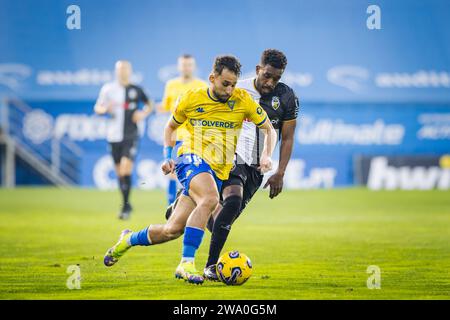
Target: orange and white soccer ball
{"points": [[234, 268]]}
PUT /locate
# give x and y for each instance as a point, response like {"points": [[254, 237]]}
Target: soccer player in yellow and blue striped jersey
{"points": [[173, 90], [213, 118]]}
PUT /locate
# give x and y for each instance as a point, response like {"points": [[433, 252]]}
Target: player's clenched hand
{"points": [[276, 185], [168, 166], [265, 164]]}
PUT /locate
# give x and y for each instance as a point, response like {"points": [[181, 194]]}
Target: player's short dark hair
{"points": [[275, 58], [230, 62], [186, 56]]}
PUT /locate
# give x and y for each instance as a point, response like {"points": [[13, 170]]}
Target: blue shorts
{"points": [[188, 166]]}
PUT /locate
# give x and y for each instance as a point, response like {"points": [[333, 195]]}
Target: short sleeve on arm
{"points": [[255, 112], [179, 114], [293, 107]]}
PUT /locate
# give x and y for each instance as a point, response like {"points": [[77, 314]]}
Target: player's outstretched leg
{"points": [[153, 234], [222, 225], [203, 192], [118, 250], [127, 240]]}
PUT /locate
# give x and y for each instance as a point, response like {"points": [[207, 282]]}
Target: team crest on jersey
{"points": [[275, 102], [132, 94], [231, 104]]}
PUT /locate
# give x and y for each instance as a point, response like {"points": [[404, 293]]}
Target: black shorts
{"points": [[126, 148], [248, 177]]}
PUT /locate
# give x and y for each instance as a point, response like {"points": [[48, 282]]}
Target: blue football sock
{"points": [[191, 241], [140, 238], [172, 191]]}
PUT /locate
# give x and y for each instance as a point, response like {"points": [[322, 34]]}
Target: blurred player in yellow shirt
{"points": [[173, 90]]}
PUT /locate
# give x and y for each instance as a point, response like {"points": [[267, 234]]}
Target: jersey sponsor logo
{"points": [[209, 123], [199, 109], [227, 227], [297, 106], [188, 173], [275, 102], [131, 106], [275, 121], [259, 110], [132, 94], [231, 104]]}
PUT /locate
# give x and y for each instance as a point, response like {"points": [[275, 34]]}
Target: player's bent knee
{"points": [[210, 202], [232, 203]]}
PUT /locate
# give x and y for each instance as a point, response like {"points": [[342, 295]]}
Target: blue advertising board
{"points": [[328, 138], [364, 90]]}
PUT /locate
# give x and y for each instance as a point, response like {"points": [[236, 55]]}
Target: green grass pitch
{"points": [[303, 245]]}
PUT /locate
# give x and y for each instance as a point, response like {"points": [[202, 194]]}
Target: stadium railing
{"points": [[56, 159]]}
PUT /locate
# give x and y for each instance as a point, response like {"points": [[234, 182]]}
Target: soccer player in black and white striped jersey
{"points": [[281, 104], [120, 99]]}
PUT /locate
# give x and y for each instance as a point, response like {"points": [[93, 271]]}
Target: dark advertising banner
{"points": [[403, 172]]}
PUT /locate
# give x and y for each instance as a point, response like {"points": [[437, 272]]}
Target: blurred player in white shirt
{"points": [[120, 100]]}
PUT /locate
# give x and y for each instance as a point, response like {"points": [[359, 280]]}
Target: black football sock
{"points": [[222, 227], [125, 188], [210, 224]]}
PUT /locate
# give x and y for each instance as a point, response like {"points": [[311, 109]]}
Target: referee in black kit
{"points": [[120, 99]]}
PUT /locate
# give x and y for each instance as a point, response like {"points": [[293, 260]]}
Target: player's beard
{"points": [[221, 98], [266, 90], [262, 89]]}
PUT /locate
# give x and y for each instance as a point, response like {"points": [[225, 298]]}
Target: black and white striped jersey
{"points": [[125, 101], [280, 105]]}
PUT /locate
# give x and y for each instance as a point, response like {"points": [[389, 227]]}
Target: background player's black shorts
{"points": [[126, 148], [246, 176]]}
